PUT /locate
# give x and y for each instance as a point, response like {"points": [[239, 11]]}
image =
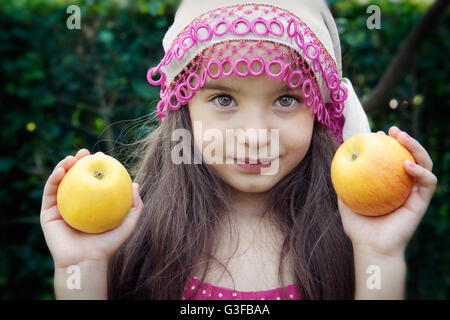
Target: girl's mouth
{"points": [[253, 165]]}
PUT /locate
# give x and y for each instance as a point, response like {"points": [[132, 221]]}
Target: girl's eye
{"points": [[287, 101], [223, 101]]}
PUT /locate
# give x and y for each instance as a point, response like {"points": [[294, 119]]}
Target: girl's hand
{"points": [[69, 246], [390, 233]]}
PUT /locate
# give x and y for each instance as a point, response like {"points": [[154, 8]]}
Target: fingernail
{"points": [[411, 164]]}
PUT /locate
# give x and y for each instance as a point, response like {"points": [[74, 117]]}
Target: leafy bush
{"points": [[62, 90]]}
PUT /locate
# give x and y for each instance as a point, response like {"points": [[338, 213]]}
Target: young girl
{"points": [[219, 228]]}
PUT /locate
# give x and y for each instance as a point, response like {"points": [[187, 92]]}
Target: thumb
{"points": [[129, 223], [137, 201]]}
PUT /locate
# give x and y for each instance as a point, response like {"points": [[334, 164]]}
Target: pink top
{"points": [[210, 292]]}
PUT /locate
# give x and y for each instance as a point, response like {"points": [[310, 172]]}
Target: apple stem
{"points": [[98, 174], [355, 155]]}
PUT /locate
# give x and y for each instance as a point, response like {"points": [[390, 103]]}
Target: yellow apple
{"points": [[368, 174], [95, 194]]}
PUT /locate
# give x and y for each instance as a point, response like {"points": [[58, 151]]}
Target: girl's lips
{"points": [[263, 161], [250, 167]]}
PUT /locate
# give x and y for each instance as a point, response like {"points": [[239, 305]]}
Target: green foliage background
{"points": [[62, 90]]}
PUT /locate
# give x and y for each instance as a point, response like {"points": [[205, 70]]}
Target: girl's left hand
{"points": [[389, 234]]}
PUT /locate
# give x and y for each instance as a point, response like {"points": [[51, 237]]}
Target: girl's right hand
{"points": [[72, 247]]}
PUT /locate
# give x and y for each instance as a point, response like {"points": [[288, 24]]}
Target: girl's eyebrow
{"points": [[216, 86]]}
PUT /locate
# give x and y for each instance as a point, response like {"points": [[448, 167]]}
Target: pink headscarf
{"points": [[297, 38]]}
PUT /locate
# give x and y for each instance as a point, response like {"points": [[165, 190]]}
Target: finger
{"points": [[64, 162], [393, 131], [68, 161], [82, 153], [417, 150], [137, 201], [426, 180], [51, 187], [381, 132]]}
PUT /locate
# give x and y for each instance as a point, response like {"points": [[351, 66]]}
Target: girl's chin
{"points": [[250, 183]]}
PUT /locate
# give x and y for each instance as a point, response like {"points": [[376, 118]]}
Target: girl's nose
{"points": [[256, 124]]}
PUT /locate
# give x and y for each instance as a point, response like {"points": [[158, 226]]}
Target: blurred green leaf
{"points": [[6, 164]]}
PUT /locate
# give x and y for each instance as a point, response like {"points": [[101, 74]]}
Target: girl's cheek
{"points": [[297, 148], [295, 138]]}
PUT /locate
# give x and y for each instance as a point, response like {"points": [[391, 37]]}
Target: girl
{"points": [[219, 228]]}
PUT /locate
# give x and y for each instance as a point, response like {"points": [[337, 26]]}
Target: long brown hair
{"points": [[185, 202]]}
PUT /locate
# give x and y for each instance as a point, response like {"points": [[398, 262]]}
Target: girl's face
{"points": [[259, 103]]}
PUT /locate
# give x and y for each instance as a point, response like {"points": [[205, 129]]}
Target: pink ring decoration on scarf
{"points": [[219, 67], [161, 79], [289, 27], [198, 27], [203, 77], [335, 109], [333, 127], [186, 97], [188, 81], [327, 117], [240, 20], [229, 73], [296, 39], [274, 76], [284, 75], [160, 106], [178, 105], [178, 57], [182, 45], [316, 51], [306, 82], [340, 107], [316, 65], [299, 33], [164, 89], [339, 99], [315, 104], [310, 100], [291, 76], [259, 20], [319, 111], [335, 77], [226, 22], [250, 64], [236, 70], [278, 23], [168, 57]]}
